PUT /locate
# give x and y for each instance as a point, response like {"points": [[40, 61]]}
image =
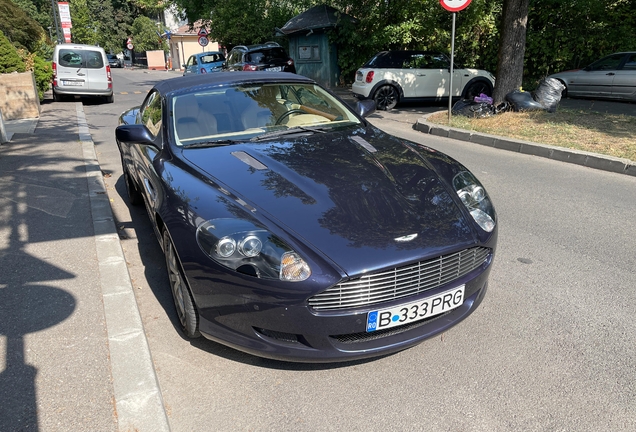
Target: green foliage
{"points": [[241, 22], [145, 38], [419, 24], [43, 73], [10, 60], [19, 28], [38, 10]]}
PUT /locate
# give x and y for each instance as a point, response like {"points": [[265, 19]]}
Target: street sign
{"points": [[454, 5], [202, 32], [129, 46], [203, 41]]}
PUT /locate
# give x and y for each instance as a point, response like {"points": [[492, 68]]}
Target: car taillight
{"points": [[370, 76], [248, 67], [203, 70], [54, 65], [110, 78]]}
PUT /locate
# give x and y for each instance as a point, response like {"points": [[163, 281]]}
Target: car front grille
{"points": [[400, 282]]}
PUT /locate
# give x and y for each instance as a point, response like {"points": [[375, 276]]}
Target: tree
{"points": [[512, 48], [145, 37]]}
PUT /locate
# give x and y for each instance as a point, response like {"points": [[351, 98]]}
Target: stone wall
{"points": [[19, 96]]}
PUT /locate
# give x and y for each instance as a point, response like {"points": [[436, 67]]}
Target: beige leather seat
{"points": [[192, 122]]}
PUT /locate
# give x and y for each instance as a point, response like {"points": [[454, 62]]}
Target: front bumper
{"points": [[300, 334]]}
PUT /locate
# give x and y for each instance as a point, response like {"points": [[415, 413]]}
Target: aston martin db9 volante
{"points": [[295, 230]]}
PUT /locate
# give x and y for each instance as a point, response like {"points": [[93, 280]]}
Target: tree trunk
{"points": [[512, 48]]}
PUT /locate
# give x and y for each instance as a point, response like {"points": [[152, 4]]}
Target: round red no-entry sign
{"points": [[454, 5]]}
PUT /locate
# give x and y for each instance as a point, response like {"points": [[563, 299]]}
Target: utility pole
{"points": [[55, 19]]}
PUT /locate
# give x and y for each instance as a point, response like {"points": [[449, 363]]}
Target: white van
{"points": [[81, 70]]}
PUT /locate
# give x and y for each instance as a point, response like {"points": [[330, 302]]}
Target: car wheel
{"points": [[110, 99], [476, 88], [134, 196], [57, 97], [386, 97], [186, 310]]}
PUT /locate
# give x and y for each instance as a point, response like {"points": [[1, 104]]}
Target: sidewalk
{"points": [[73, 354]]}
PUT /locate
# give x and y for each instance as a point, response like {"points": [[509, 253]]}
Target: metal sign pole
{"points": [[450, 81]]}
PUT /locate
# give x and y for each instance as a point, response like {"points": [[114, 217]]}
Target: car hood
{"points": [[363, 199]]}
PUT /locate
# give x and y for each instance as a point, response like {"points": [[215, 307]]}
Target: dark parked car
{"points": [[114, 61], [612, 77], [295, 230], [269, 56]]}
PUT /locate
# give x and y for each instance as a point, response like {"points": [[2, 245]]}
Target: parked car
{"points": [[293, 229], [612, 77], [391, 77], [269, 56], [114, 61], [81, 70], [205, 62]]}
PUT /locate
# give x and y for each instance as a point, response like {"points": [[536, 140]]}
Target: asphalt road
{"points": [[552, 347]]}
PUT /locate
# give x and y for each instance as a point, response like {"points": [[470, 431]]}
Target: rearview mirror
{"points": [[135, 134]]}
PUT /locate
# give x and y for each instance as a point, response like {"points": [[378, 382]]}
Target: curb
{"points": [[138, 402], [561, 154]]}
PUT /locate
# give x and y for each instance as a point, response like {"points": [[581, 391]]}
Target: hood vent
{"points": [[249, 160]]}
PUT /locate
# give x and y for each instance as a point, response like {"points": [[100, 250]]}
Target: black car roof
{"points": [[226, 78]]}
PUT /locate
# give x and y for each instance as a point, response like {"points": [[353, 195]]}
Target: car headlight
{"points": [[476, 200], [249, 249]]}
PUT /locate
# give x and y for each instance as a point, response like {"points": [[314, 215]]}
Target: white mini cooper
{"points": [[394, 76]]}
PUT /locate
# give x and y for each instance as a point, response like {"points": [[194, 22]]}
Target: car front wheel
{"points": [[386, 97], [476, 88], [184, 304]]}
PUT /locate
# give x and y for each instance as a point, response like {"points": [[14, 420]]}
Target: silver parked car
{"points": [[612, 77]]}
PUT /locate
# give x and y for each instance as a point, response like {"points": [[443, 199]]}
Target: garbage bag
{"points": [[472, 109], [484, 98], [548, 94], [503, 107], [523, 101]]}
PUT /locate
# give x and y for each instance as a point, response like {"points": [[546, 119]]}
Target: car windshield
{"points": [[240, 113]]}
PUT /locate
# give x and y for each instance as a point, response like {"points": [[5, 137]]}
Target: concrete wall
{"points": [[19, 96], [156, 60]]}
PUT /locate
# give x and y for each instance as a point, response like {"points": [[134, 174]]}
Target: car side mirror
{"points": [[135, 134], [365, 107]]}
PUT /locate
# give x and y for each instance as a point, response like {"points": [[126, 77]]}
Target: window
{"points": [[309, 53], [607, 63], [94, 59], [630, 64], [151, 114], [70, 58]]}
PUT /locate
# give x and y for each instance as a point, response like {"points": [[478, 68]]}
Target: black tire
{"points": [[57, 97], [386, 97], [183, 302], [476, 88], [134, 196], [109, 99]]}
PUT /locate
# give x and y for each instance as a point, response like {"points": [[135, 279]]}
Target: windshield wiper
{"points": [[291, 131], [218, 143]]}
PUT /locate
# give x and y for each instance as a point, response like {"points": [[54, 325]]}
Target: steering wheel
{"points": [[288, 113]]}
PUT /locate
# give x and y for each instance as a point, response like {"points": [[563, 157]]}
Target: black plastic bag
{"points": [[472, 109], [548, 94], [523, 101]]}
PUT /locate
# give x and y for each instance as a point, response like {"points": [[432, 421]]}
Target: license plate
{"points": [[72, 83], [275, 69], [416, 311]]}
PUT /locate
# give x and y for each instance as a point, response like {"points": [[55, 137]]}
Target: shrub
{"points": [[10, 60]]}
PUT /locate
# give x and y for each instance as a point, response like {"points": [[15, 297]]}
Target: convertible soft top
{"points": [[226, 78]]}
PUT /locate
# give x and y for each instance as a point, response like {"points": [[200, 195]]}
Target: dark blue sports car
{"points": [[295, 230]]}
